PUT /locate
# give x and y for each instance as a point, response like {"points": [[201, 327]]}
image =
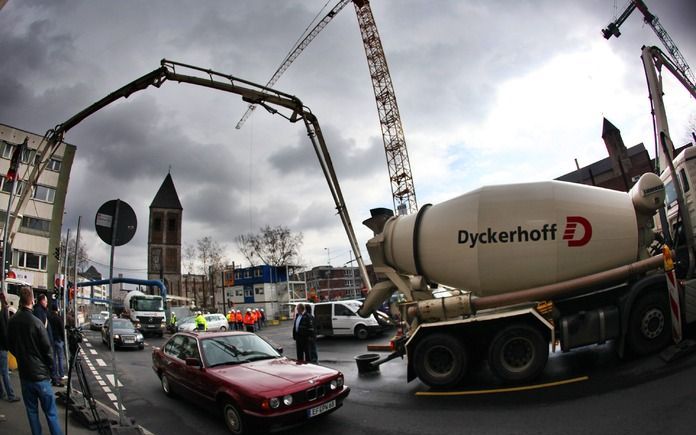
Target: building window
{"points": [[239, 292], [237, 274], [157, 224], [7, 186], [27, 154], [32, 223], [54, 165], [258, 272], [29, 260], [7, 149], [259, 290], [171, 224], [44, 193], [247, 273]]}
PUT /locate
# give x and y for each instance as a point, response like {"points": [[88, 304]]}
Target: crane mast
{"points": [[398, 164], [675, 55], [403, 192]]}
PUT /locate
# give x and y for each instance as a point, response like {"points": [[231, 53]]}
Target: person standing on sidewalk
{"points": [[4, 366], [55, 323], [28, 342], [311, 350]]}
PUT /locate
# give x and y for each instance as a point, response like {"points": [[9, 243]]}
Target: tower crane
{"points": [[675, 55], [403, 191]]}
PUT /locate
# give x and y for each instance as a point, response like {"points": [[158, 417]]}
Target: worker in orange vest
{"points": [[240, 320], [249, 320], [255, 315]]}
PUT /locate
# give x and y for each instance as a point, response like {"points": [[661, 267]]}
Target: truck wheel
{"points": [[518, 353], [440, 360], [649, 327], [361, 332]]}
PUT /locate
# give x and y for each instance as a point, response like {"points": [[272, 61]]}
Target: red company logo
{"points": [[572, 223]]}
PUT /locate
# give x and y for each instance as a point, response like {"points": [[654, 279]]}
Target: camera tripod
{"points": [[88, 413]]}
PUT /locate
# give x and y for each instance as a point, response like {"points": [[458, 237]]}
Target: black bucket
{"points": [[364, 362]]}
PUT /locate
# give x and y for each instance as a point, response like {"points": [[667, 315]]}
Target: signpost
{"points": [[115, 224]]}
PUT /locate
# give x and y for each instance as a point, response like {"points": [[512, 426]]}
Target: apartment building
{"points": [[39, 223]]}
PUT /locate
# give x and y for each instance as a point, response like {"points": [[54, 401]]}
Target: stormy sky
{"points": [[490, 92]]}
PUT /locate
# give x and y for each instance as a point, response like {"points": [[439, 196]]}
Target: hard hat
{"points": [[248, 309], [261, 309]]}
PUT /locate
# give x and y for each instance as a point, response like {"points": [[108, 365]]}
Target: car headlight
{"points": [[333, 384], [139, 336], [339, 381], [137, 325], [117, 337], [163, 325], [274, 403], [287, 400]]}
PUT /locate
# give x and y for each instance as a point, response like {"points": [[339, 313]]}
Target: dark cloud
{"points": [[447, 60]]}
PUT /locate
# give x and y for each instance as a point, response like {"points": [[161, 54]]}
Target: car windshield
{"points": [[187, 320], [97, 317], [123, 324], [236, 349]]}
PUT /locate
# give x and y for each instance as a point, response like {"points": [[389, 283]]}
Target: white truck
{"points": [[146, 312], [539, 265]]}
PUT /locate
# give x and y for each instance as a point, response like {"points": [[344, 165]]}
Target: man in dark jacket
{"points": [[41, 312], [4, 369], [28, 341], [57, 330], [302, 332]]}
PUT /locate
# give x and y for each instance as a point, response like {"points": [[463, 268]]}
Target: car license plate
{"points": [[313, 412], [128, 340]]}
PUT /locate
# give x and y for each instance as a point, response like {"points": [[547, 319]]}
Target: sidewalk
{"points": [[16, 417]]}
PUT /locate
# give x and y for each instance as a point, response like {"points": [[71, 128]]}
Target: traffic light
{"points": [[56, 253]]}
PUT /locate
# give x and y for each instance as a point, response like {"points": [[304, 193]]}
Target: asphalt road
{"points": [[581, 392]]}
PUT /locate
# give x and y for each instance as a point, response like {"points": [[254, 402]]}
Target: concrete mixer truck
{"points": [[146, 312], [535, 266]]}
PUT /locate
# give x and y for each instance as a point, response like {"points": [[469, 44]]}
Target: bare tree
{"points": [[275, 246], [189, 257], [82, 258]]}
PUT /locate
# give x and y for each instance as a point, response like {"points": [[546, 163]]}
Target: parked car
{"points": [[96, 321], [214, 322], [125, 334], [251, 382], [341, 318]]}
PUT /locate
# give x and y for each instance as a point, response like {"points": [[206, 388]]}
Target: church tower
{"points": [[164, 238]]}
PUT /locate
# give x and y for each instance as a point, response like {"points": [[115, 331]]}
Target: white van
{"points": [[341, 318]]}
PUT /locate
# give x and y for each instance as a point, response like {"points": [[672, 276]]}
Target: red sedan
{"points": [[248, 379]]}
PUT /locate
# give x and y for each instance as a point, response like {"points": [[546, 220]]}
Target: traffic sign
{"points": [[122, 215]]}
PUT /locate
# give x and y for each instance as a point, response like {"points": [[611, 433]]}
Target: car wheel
{"points": [[440, 360], [649, 328], [141, 347], [233, 418], [166, 387], [518, 353], [222, 328], [361, 332]]}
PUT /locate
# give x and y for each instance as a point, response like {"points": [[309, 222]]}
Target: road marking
{"points": [[102, 383], [111, 397], [111, 379], [101, 362], [503, 390], [93, 352]]}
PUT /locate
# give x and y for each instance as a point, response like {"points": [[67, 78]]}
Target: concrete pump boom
{"points": [[250, 92]]}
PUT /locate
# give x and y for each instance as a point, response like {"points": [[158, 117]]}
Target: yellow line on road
{"points": [[502, 390]]}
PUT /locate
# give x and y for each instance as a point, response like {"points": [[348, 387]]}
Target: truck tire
{"points": [[440, 360], [518, 353], [361, 332], [649, 327]]}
